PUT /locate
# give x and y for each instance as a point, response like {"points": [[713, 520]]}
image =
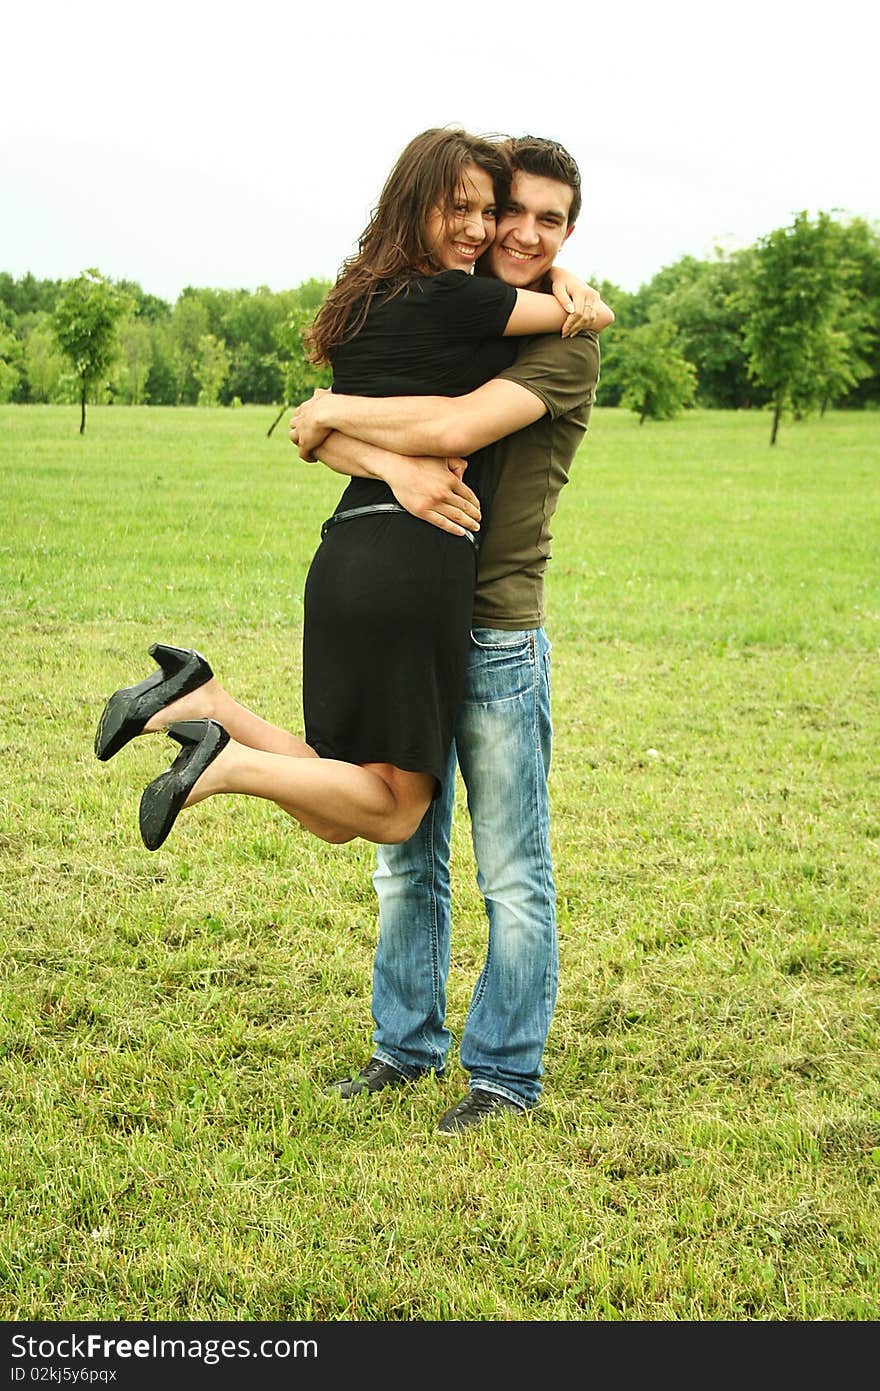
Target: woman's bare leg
{"points": [[334, 800], [212, 702]]}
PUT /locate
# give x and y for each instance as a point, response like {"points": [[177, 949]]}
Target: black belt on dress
{"points": [[352, 512]]}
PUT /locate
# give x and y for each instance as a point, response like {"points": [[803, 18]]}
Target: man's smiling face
{"points": [[530, 230]]}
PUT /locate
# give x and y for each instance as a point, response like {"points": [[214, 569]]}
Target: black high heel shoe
{"points": [[128, 709], [162, 801]]}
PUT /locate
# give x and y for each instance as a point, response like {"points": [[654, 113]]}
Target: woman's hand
{"points": [[584, 305], [307, 431]]}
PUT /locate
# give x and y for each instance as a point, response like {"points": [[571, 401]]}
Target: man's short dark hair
{"points": [[549, 160]]}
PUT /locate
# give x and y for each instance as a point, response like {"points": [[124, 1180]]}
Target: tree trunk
{"points": [[275, 421], [82, 418], [777, 412]]}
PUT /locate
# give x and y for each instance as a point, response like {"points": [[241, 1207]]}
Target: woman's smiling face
{"points": [[458, 237]]}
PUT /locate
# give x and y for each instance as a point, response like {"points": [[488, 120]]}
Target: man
{"points": [[539, 410]]}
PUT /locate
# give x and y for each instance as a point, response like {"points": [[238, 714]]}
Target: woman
{"points": [[388, 597]]}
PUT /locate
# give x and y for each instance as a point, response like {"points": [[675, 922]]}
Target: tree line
{"points": [[788, 324], [94, 339]]}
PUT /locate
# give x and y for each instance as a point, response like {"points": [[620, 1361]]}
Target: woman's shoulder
{"points": [[444, 282], [460, 297], [447, 283]]}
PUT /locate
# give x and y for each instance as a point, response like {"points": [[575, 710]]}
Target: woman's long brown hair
{"points": [[394, 245]]}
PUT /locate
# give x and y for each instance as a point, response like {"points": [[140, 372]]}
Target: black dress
{"points": [[388, 597]]}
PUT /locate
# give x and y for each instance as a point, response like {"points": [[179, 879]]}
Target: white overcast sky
{"points": [[242, 145]]}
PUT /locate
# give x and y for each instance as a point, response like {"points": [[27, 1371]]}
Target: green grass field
{"points": [[708, 1143]]}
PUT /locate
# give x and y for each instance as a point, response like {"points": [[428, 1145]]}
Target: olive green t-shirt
{"points": [[530, 470]]}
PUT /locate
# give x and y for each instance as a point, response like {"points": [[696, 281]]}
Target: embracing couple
{"points": [[464, 369]]}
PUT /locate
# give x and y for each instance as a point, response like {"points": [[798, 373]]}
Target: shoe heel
{"points": [[171, 659], [187, 732]]}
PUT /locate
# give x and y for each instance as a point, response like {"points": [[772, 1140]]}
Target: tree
{"points": [[710, 322], [621, 302], [250, 324], [43, 364], [211, 368], [799, 315], [861, 243], [310, 294], [148, 308], [28, 295], [301, 377], [135, 360], [643, 305], [84, 322], [10, 363], [190, 322], [160, 388], [656, 381]]}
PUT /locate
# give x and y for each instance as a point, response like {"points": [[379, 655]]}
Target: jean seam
{"points": [[509, 647], [435, 953], [543, 772]]}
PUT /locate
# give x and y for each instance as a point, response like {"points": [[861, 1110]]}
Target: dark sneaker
{"points": [[375, 1076], [474, 1108]]}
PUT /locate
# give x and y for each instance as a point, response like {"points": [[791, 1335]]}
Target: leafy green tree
{"points": [[669, 280], [43, 363], [698, 297], [310, 294], [10, 363], [249, 328], [799, 315], [861, 247], [839, 365], [710, 323], [190, 322], [301, 377], [211, 368], [28, 295], [160, 388], [135, 360], [149, 308], [656, 381], [85, 321], [610, 389]]}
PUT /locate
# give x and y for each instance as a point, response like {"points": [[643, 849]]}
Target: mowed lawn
{"points": [[708, 1142]]}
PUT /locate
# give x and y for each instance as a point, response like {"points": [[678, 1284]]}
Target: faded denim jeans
{"points": [[502, 746]]}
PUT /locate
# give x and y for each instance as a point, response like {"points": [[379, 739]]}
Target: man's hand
{"points": [[432, 489], [307, 431]]}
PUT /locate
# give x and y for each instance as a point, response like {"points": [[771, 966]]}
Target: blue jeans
{"points": [[502, 745]]}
